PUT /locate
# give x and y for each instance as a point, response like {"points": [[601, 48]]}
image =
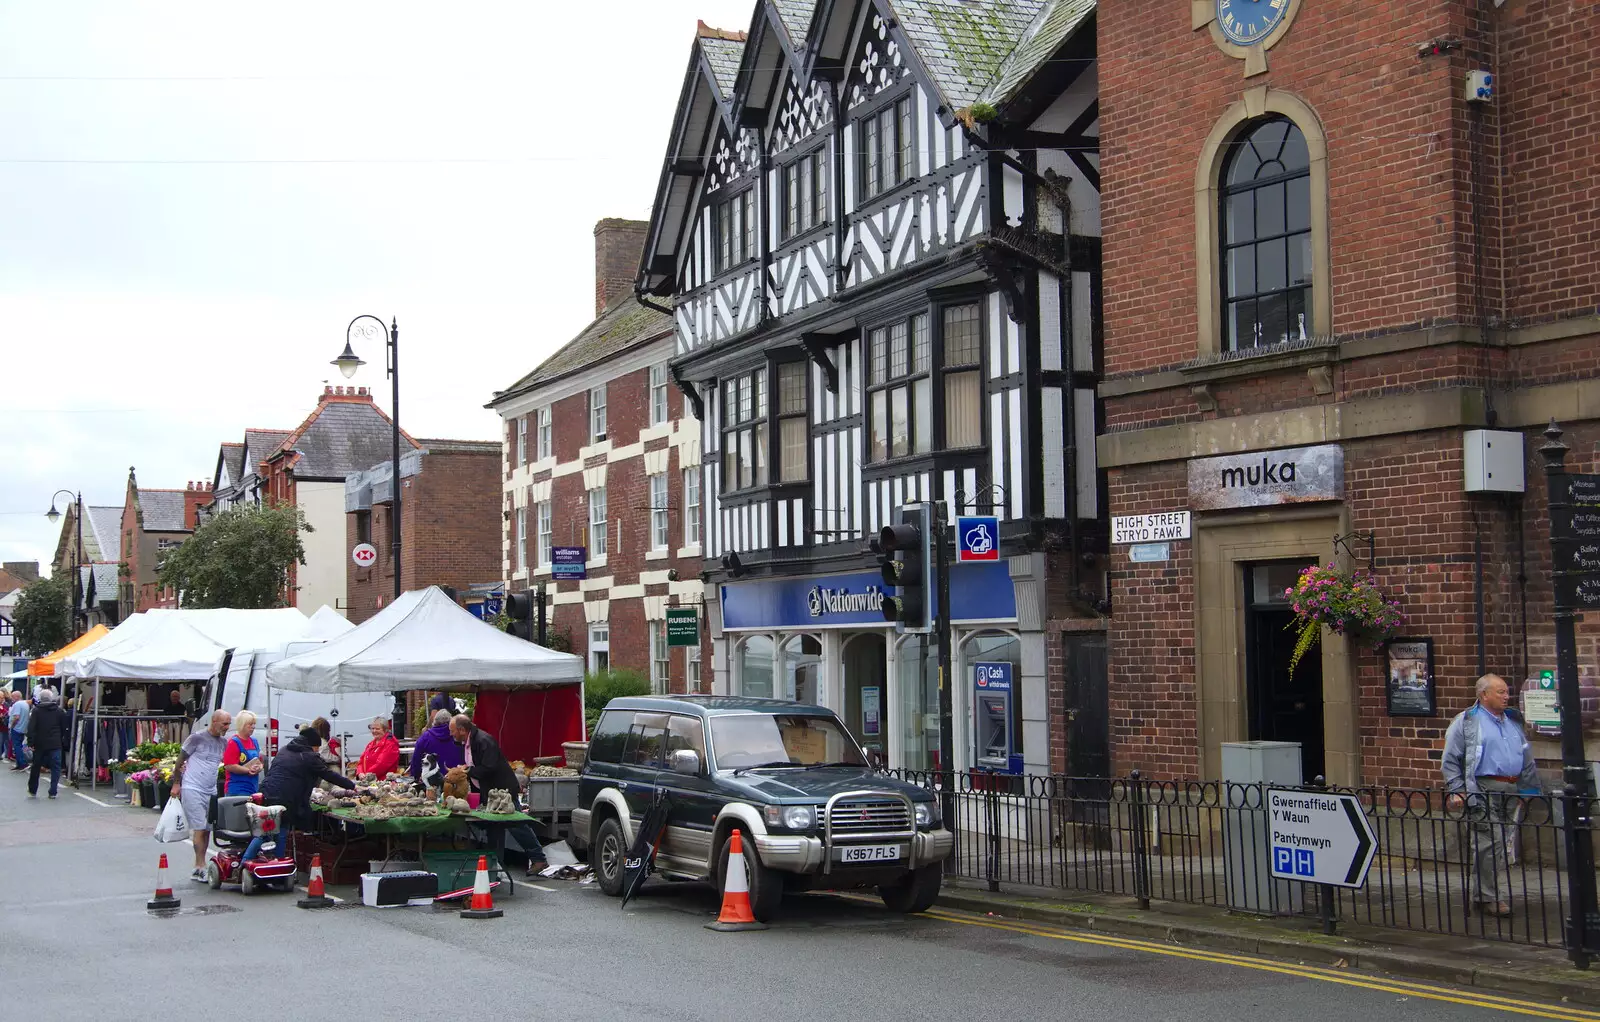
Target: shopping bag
{"points": [[172, 826]]}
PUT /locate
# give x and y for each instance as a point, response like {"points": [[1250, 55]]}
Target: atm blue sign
{"points": [[992, 677], [977, 538]]}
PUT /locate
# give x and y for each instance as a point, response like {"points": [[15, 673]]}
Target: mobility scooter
{"points": [[236, 820]]}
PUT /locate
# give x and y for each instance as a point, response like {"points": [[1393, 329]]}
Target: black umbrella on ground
{"points": [[642, 853]]}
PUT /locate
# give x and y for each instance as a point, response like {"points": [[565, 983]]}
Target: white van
{"points": [[281, 713]]}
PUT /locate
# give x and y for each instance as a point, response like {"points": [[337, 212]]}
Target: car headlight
{"points": [[791, 817], [926, 813]]}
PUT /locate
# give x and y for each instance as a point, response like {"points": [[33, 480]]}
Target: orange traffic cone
{"points": [[482, 906], [163, 898], [736, 914], [315, 897]]}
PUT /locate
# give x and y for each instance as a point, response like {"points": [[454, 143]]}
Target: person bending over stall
{"points": [[436, 740], [295, 770], [488, 770]]}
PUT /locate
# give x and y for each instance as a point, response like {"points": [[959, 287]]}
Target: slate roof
{"points": [[105, 525], [796, 16], [162, 510], [1058, 20], [964, 43], [105, 582], [342, 437], [722, 56], [259, 445], [623, 325]]}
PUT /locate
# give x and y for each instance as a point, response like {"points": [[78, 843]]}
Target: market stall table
{"points": [[390, 828]]}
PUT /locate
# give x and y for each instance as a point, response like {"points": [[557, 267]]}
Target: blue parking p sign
{"points": [[977, 538]]}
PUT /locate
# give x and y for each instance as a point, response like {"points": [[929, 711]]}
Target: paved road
{"points": [[81, 945]]}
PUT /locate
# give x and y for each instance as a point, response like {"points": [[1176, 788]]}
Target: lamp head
{"points": [[348, 363], [53, 515]]}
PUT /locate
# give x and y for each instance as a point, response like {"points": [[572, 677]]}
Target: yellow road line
{"points": [[1406, 988]]}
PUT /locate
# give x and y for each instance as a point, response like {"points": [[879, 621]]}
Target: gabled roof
{"points": [[345, 434], [259, 445], [623, 326], [105, 525], [105, 581], [162, 511], [796, 15], [963, 44], [1054, 24], [722, 51]]}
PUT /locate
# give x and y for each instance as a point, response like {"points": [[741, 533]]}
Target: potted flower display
{"points": [[141, 788], [1350, 603]]}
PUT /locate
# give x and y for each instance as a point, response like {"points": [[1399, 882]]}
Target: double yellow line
{"points": [[1384, 984]]}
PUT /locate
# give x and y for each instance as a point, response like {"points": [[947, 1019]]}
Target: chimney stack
{"points": [[618, 245]]}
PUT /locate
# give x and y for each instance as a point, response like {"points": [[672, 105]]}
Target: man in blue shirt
{"points": [[17, 719], [1487, 762]]}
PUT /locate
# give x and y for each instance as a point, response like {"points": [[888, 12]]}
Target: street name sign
{"points": [[1151, 528], [1319, 837]]}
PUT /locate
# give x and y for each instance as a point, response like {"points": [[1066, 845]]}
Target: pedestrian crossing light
{"points": [[520, 609], [905, 557]]}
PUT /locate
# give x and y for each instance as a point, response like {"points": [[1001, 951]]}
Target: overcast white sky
{"points": [[196, 198]]}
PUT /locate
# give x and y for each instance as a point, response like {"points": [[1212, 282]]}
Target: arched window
{"points": [[1266, 236], [756, 666]]}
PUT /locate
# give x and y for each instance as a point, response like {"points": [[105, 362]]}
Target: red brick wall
{"points": [[618, 245], [450, 531], [627, 503]]}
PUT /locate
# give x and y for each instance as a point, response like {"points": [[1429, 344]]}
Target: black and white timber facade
{"points": [[877, 231]]}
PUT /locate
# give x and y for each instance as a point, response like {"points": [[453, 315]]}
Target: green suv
{"points": [[813, 813]]}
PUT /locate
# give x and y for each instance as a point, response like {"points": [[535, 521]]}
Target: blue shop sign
{"points": [[978, 592], [569, 562]]}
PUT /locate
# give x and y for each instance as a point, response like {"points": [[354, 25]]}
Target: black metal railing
{"points": [[1486, 866]]}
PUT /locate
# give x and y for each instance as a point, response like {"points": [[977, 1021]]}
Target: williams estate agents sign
{"points": [[1296, 475]]}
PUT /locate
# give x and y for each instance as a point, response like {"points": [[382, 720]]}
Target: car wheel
{"points": [[213, 875], [609, 851], [766, 885], [247, 881], [916, 891]]}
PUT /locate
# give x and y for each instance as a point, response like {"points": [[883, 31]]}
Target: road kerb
{"points": [[1354, 957]]}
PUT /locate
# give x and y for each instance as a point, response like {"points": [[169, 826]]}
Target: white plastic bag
{"points": [[172, 826]]}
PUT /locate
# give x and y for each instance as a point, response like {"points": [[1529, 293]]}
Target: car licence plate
{"points": [[869, 853]]}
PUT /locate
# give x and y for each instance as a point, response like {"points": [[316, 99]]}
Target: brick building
{"points": [[153, 523], [449, 529], [1319, 252], [598, 444]]}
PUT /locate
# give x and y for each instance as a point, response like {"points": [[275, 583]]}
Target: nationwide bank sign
{"points": [[978, 592]]}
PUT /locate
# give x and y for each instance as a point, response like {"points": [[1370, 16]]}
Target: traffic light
{"points": [[905, 557], [520, 609]]}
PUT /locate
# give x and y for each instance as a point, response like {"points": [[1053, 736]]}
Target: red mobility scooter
{"points": [[236, 820]]}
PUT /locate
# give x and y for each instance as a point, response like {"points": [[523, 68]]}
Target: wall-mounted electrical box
{"points": [[1492, 461], [1480, 87]]}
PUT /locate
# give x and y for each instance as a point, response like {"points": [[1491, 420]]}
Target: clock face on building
{"points": [[1249, 21]]}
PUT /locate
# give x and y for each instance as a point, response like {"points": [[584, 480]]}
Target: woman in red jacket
{"points": [[381, 757]]}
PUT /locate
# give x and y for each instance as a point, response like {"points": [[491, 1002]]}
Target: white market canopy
{"points": [[423, 640], [186, 645]]}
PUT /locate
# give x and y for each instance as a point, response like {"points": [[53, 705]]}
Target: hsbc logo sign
{"points": [[365, 555]]}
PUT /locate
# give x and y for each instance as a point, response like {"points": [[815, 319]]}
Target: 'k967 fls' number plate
{"points": [[869, 853]]}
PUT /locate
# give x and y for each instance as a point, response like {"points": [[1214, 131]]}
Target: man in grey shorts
{"points": [[194, 782]]}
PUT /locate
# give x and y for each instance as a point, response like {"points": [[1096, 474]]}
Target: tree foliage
{"points": [[44, 615], [239, 558]]}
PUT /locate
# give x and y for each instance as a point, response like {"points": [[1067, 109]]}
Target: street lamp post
{"points": [[371, 328], [80, 613]]}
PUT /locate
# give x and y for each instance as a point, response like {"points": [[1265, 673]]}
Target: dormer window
{"points": [[888, 148]]}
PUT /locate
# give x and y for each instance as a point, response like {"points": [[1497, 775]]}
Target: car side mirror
{"points": [[684, 761]]}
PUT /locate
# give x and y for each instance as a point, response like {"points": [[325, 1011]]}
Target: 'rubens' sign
{"points": [[1264, 478]]}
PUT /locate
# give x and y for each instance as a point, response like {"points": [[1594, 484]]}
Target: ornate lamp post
{"points": [[80, 613], [372, 330]]}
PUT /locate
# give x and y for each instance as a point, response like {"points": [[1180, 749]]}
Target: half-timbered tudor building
{"points": [[877, 232]]}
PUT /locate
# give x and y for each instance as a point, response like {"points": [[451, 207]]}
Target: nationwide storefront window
{"points": [[755, 666], [917, 675], [802, 669]]}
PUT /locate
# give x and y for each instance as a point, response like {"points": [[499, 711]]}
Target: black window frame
{"points": [[804, 186], [735, 240], [779, 414], [888, 382], [735, 423], [1294, 296], [946, 368], [896, 112]]}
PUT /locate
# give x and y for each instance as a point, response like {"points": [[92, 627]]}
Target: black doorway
{"points": [[1088, 709], [1281, 707]]}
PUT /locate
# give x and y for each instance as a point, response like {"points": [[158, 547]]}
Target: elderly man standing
{"points": [[194, 781], [1487, 762]]}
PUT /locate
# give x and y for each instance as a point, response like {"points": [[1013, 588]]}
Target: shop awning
{"points": [[423, 640], [45, 666]]}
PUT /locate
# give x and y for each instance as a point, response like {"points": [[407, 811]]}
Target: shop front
{"points": [[822, 639]]}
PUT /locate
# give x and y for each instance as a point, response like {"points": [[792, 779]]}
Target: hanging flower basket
{"points": [[1350, 603]]}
